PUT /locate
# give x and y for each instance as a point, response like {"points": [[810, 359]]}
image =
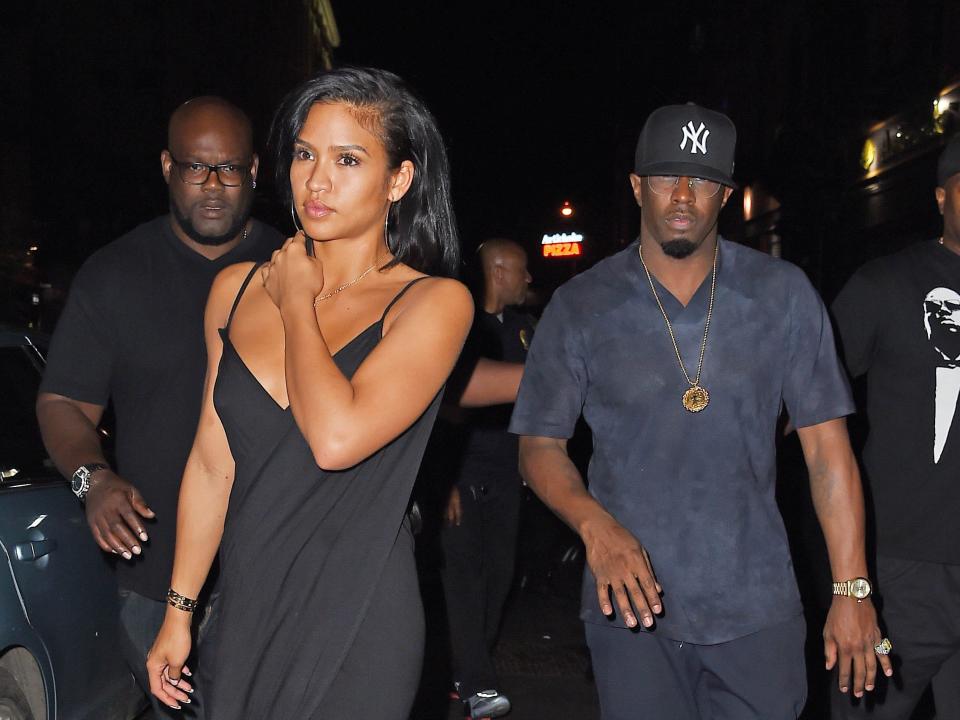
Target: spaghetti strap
{"points": [[399, 295], [236, 300]]}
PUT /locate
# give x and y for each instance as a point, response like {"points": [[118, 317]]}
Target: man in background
{"points": [[132, 334], [483, 510], [898, 318]]}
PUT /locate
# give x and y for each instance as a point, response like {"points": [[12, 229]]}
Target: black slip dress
{"points": [[319, 614]]}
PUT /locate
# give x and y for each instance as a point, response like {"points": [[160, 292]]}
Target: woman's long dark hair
{"points": [[422, 230]]}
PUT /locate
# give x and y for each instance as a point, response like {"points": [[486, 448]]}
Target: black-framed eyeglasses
{"points": [[664, 185], [194, 172]]}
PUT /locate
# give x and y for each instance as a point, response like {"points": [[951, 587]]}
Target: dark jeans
{"points": [[478, 557], [140, 621], [919, 604], [761, 676]]}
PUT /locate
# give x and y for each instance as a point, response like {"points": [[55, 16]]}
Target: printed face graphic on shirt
{"points": [[941, 320]]}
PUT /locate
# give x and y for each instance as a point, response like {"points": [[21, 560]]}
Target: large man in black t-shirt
{"points": [[132, 333], [899, 321], [483, 510]]}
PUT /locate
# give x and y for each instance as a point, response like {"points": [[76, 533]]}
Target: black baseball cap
{"points": [[949, 163], [687, 140]]}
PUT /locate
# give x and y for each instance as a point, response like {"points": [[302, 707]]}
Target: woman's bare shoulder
{"points": [[433, 289], [225, 287], [445, 299]]}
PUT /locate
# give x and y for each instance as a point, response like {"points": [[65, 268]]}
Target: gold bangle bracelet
{"points": [[180, 602]]}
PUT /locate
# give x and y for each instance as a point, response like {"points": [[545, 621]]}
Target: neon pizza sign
{"points": [[562, 245]]}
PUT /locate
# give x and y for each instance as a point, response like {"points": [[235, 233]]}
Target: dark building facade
{"points": [[86, 90]]}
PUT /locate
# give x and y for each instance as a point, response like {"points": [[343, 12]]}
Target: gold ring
{"points": [[883, 647]]}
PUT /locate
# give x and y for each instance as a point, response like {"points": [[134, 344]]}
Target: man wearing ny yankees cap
{"points": [[679, 352]]}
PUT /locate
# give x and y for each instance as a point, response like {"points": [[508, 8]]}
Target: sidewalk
{"points": [[542, 661]]}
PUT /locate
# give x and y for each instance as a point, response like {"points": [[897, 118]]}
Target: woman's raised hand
{"points": [[291, 274]]}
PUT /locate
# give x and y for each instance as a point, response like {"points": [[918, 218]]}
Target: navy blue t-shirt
{"points": [[696, 489]]}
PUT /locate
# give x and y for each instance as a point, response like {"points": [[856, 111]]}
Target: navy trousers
{"points": [[641, 675]]}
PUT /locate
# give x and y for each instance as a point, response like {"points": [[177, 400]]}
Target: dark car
{"points": [[59, 653]]}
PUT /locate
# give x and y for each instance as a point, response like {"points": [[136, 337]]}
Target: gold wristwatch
{"points": [[858, 588]]}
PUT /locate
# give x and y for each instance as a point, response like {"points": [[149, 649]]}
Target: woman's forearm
{"points": [[202, 508], [345, 419], [321, 397]]}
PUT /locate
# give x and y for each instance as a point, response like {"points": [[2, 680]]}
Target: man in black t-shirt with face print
{"points": [[132, 334], [899, 321]]}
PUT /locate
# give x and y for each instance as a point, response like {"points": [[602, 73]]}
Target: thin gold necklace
{"points": [[361, 276], [696, 397]]}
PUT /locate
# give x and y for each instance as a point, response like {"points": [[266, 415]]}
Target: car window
{"points": [[22, 455]]}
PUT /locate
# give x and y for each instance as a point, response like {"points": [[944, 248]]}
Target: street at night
{"points": [[622, 337]]}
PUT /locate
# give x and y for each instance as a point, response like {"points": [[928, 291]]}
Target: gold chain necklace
{"points": [[696, 397], [361, 276]]}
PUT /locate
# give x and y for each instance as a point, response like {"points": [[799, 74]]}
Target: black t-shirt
{"points": [[489, 451], [132, 332], [899, 321]]}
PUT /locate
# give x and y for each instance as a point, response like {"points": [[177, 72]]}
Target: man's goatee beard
{"points": [[211, 240], [678, 249]]}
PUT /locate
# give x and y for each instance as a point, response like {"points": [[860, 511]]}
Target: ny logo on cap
{"points": [[696, 142]]}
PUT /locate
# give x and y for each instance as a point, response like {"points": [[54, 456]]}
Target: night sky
{"points": [[539, 102], [542, 102]]}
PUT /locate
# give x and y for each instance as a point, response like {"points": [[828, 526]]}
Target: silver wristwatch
{"points": [[80, 482]]}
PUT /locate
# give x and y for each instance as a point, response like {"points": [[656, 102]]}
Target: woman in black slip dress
{"points": [[325, 369]]}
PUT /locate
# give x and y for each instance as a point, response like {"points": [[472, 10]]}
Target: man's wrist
{"points": [[85, 476], [588, 526], [857, 588]]}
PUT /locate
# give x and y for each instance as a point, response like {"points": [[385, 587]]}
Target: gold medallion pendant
{"points": [[696, 399]]}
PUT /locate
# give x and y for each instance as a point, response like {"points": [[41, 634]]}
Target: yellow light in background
{"points": [[566, 210], [868, 156], [747, 203], [940, 106]]}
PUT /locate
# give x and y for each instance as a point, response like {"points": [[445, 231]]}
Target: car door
{"points": [[64, 580]]}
